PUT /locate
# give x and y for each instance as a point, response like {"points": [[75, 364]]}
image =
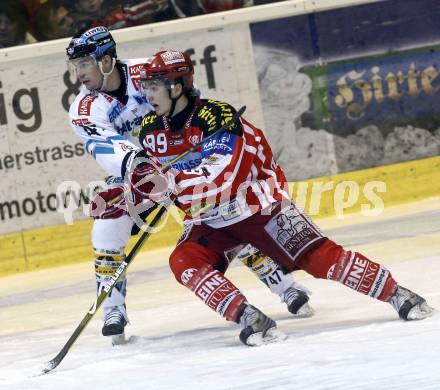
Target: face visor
{"points": [[82, 64], [154, 85]]}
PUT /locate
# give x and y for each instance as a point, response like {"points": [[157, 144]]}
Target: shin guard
{"points": [[106, 264], [269, 272]]}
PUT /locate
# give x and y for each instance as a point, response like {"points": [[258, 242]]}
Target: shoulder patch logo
{"points": [[135, 70], [85, 104]]}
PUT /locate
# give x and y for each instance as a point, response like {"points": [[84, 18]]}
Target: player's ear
{"points": [[106, 60], [177, 90]]}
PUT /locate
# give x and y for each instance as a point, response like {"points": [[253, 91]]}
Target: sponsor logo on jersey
{"points": [[223, 144], [85, 104], [81, 122], [230, 211], [194, 139], [175, 142], [125, 147], [149, 119], [189, 164], [135, 75], [189, 157], [115, 111], [140, 99], [172, 57], [210, 119], [215, 121], [135, 70]]}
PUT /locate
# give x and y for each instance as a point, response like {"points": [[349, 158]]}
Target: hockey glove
{"points": [[148, 183], [109, 203]]}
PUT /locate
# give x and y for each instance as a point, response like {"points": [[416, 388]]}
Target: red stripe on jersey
{"points": [[250, 168]]}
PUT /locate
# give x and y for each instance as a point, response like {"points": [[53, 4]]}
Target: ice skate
{"points": [[114, 324], [409, 305], [258, 329], [297, 303]]}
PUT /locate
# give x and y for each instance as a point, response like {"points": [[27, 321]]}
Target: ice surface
{"points": [[352, 342]]}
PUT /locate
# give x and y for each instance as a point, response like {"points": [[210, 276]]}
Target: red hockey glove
{"points": [[148, 184], [109, 203]]}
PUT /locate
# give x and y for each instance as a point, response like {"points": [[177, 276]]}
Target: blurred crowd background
{"points": [[28, 21]]}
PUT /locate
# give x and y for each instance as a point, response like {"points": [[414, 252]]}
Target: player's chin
{"points": [[90, 85], [158, 110]]}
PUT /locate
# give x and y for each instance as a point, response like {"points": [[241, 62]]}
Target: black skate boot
{"points": [[114, 324], [297, 302], [258, 329], [409, 305]]}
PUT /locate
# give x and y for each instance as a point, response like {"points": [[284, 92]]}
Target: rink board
{"points": [[38, 150], [60, 245]]}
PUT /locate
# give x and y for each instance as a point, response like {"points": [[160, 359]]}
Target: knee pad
{"points": [[189, 257], [190, 268], [269, 272]]}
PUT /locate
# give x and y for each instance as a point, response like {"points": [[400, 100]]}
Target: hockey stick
{"points": [[52, 364]]}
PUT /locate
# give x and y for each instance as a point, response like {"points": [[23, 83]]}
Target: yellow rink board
{"points": [[67, 244]]}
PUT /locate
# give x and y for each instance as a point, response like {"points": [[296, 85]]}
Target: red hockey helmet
{"points": [[170, 65]]}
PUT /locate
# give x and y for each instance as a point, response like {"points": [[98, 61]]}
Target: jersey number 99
{"points": [[157, 143]]}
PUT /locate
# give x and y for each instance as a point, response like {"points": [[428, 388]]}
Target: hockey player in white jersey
{"points": [[107, 114]]}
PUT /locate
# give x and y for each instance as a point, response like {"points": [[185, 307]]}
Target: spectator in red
{"points": [[138, 12]]}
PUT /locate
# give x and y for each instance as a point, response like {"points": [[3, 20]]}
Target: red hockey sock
{"points": [[213, 288], [354, 270]]}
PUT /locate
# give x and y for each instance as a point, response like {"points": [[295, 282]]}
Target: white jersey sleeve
{"points": [[90, 120]]}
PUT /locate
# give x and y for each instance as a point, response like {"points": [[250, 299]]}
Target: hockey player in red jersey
{"points": [[233, 192]]}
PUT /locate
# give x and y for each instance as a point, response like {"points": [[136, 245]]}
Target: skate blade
{"points": [[118, 339], [420, 312], [305, 311], [273, 335]]}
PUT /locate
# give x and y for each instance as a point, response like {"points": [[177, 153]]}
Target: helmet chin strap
{"points": [[105, 75]]}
